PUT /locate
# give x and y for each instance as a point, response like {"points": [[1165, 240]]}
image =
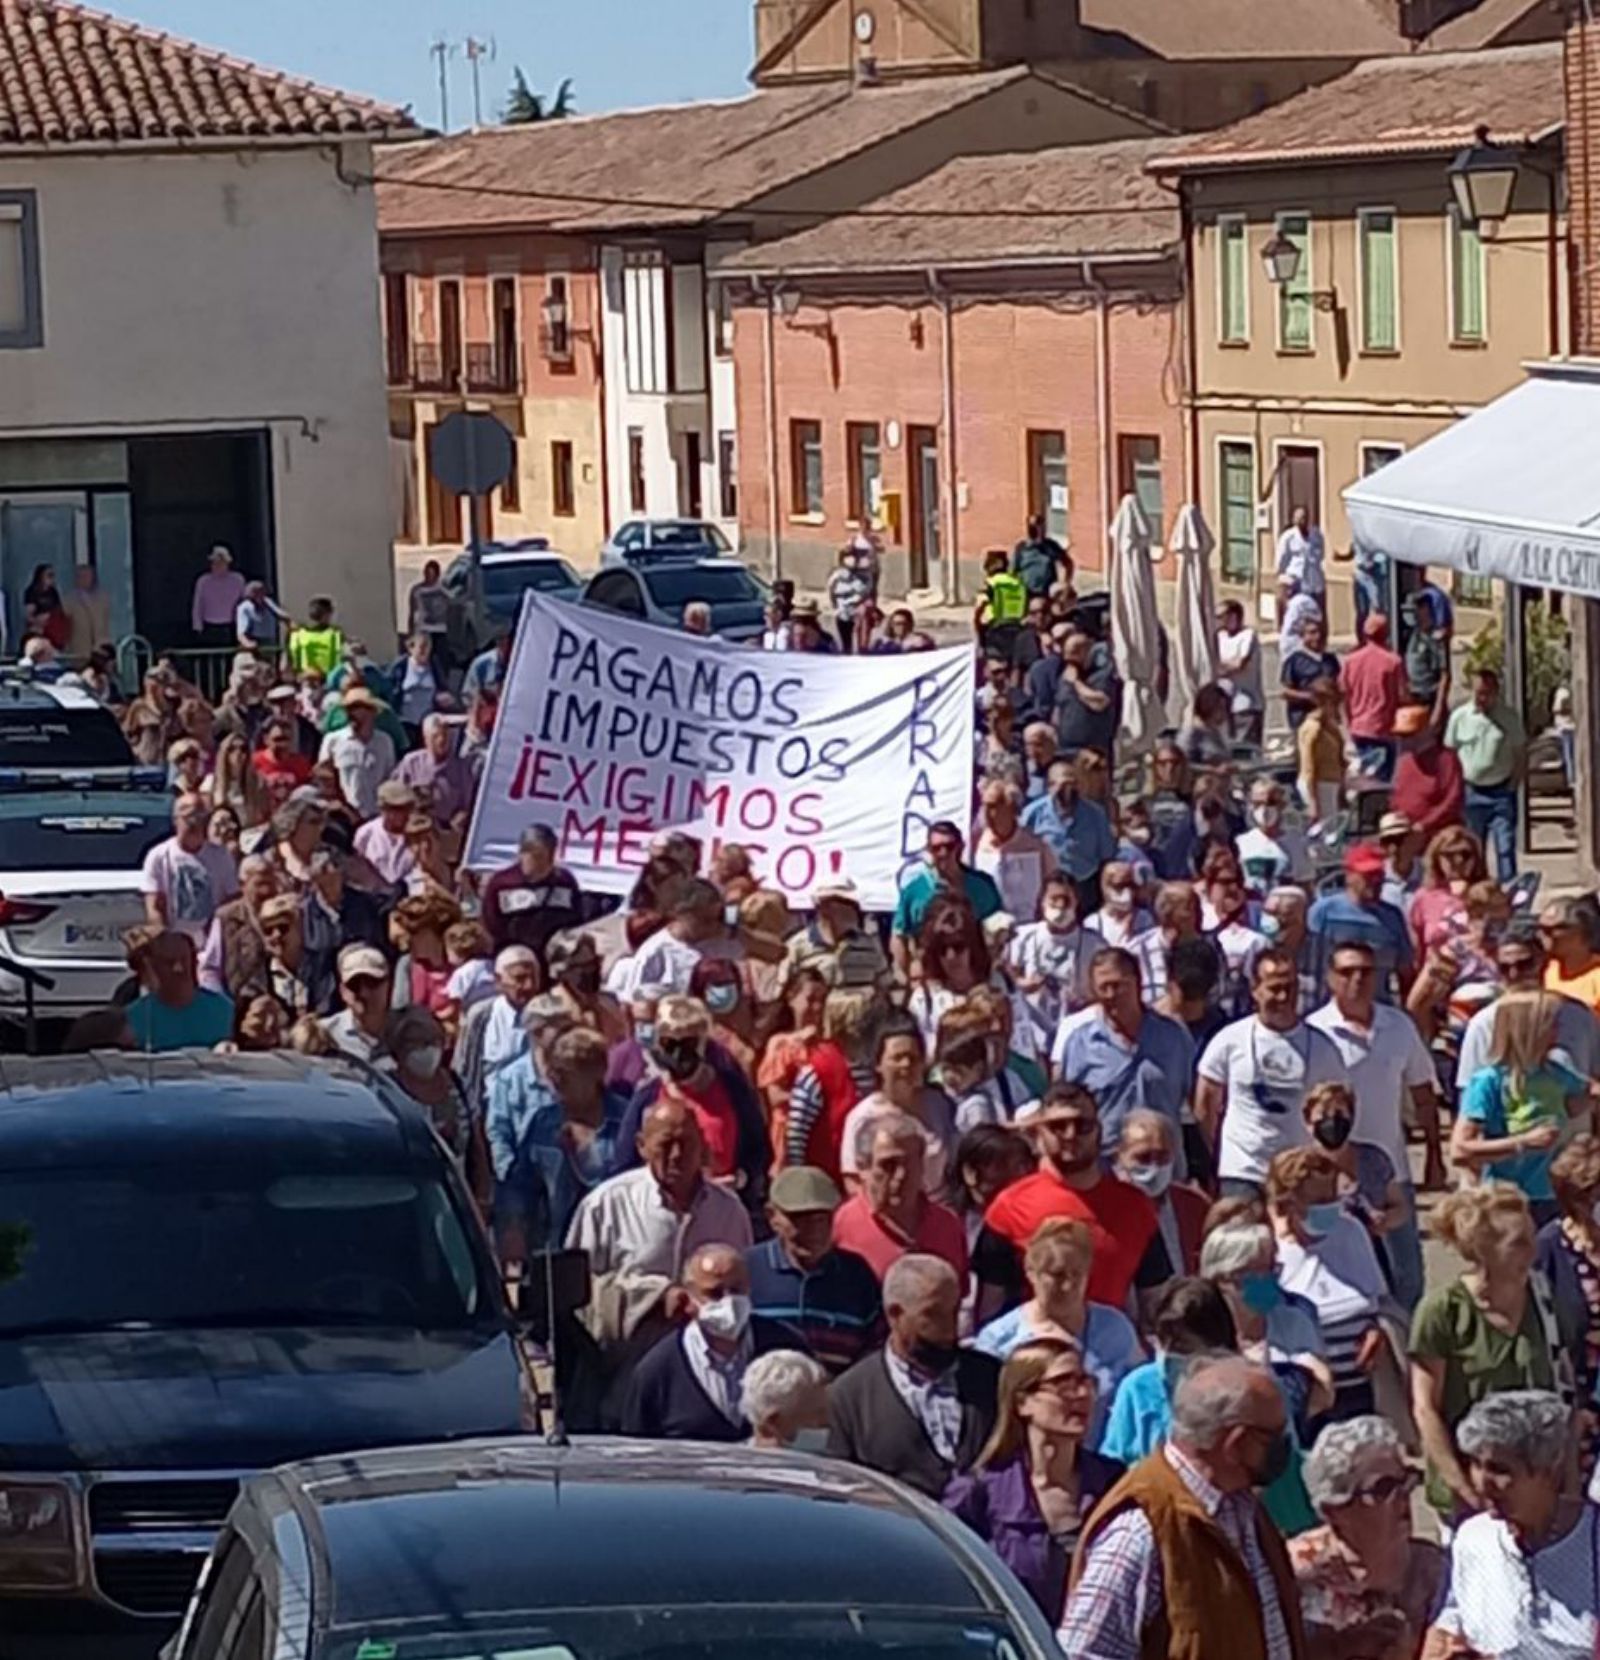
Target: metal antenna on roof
{"points": [[443, 50], [476, 50]]}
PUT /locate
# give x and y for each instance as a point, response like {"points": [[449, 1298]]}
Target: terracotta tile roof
{"points": [[1076, 200], [679, 165], [1235, 29], [71, 75], [1179, 29], [1427, 104]]}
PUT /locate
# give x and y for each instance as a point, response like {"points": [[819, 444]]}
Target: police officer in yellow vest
{"points": [[1004, 605]]}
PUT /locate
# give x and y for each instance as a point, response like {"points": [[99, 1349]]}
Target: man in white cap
{"points": [[1402, 873], [215, 603], [834, 941], [365, 984]]}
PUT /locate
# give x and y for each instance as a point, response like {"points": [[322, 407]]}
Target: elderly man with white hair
{"points": [[1283, 921], [690, 1385], [492, 1032], [785, 1400], [1190, 1510], [1366, 1585], [439, 775], [921, 1406], [1523, 1575], [1018, 861], [1147, 1158]]}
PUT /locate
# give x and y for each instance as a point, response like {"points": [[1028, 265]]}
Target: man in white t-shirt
{"points": [[187, 879], [1387, 1061], [1270, 853], [697, 927], [1239, 671], [362, 755], [1254, 1076], [1300, 550]]}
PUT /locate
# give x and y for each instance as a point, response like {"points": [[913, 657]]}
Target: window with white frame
{"points": [[645, 326]]}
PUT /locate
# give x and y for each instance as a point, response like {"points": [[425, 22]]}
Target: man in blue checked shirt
{"points": [[827, 1299], [1078, 831]]}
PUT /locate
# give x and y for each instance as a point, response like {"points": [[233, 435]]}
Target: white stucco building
{"points": [[190, 343]]}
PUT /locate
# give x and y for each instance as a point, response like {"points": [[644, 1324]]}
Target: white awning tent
{"points": [[1512, 491]]}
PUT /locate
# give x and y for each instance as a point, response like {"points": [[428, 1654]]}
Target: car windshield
{"points": [[542, 575], [674, 586], [79, 838], [790, 1633], [49, 736], [691, 535], [259, 1241]]}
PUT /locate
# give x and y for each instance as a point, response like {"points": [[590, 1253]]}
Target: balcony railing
{"points": [[485, 366], [490, 369]]}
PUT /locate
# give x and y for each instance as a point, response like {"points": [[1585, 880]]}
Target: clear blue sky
{"points": [[618, 52]]}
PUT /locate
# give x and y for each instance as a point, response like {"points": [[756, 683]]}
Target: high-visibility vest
{"points": [[1008, 599]]}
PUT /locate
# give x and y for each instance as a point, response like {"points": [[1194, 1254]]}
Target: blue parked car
{"points": [[211, 1264]]}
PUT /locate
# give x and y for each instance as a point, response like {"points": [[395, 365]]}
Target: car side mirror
{"points": [[553, 1279]]}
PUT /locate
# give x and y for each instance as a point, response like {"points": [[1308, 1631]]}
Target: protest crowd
{"points": [[1081, 1193]]}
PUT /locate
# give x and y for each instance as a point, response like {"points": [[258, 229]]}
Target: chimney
{"points": [[1582, 82]]}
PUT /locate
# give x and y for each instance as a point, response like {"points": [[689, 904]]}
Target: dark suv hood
{"points": [[246, 1399]]}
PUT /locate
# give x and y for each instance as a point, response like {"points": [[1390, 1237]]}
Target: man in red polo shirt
{"points": [[1373, 680], [1428, 784], [1070, 1181]]}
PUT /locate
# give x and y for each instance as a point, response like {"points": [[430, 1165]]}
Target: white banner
{"points": [[611, 731]]}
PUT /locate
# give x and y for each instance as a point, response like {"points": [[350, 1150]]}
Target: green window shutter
{"points": [[1466, 277], [1235, 277], [1294, 297], [1238, 512], [1380, 299]]}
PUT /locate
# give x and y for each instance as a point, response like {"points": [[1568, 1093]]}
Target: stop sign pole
{"points": [[471, 453]]}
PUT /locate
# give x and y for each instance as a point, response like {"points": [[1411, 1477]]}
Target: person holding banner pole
{"points": [[945, 872]]}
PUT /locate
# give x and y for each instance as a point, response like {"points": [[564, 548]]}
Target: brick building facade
{"points": [[1002, 338]]}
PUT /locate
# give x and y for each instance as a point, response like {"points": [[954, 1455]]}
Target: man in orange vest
{"points": [[1180, 1561]]}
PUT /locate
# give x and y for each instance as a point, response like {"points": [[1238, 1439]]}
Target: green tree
{"points": [[524, 105]]}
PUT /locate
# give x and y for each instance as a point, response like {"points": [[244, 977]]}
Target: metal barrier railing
{"points": [[207, 667]]}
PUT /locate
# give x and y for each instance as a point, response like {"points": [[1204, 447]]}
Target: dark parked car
{"points": [[209, 1265], [657, 591], [600, 1551], [511, 569]]}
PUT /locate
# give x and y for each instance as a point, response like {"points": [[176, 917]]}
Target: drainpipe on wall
{"points": [[950, 542], [1102, 375], [770, 395]]}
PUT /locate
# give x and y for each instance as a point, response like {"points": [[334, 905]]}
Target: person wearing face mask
{"points": [[1147, 1159], [1036, 1480], [1270, 853], [1254, 1076], [1367, 1180], [1048, 961], [1326, 1256], [414, 1052], [720, 986], [785, 1402], [1190, 1509], [689, 1386], [687, 1068], [1076, 831], [920, 1407], [1229, 915], [1121, 919]]}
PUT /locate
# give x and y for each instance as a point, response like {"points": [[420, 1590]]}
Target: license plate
{"points": [[92, 933]]}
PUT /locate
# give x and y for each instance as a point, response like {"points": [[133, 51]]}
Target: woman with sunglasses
{"points": [[955, 961], [1367, 1586], [1453, 862], [1031, 1488]]}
